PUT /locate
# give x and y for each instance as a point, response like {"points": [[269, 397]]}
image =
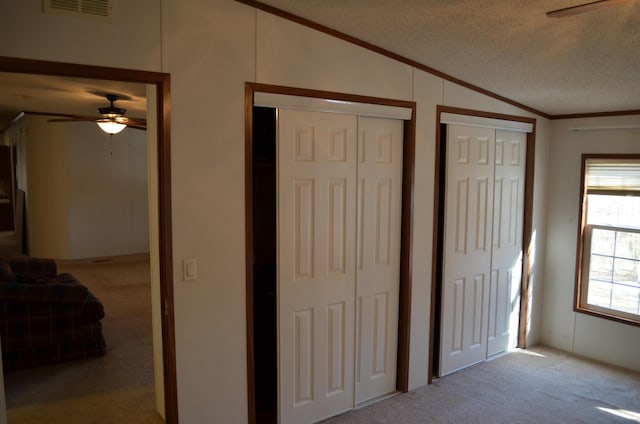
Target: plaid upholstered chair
{"points": [[46, 317]]}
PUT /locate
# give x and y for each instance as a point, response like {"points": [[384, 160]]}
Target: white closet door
{"points": [[378, 258], [467, 246], [316, 281], [506, 262]]}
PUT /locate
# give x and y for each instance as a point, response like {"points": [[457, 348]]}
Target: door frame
{"points": [[162, 84], [438, 228], [406, 243]]}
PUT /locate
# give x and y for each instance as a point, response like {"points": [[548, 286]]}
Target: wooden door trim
{"points": [[406, 244], [437, 241], [162, 84]]}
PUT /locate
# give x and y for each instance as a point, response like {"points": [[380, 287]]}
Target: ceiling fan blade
{"points": [[61, 115], [582, 8], [137, 127], [72, 120], [135, 121]]}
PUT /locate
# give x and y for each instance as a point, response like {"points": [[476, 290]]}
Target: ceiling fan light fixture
{"points": [[111, 111], [111, 126]]}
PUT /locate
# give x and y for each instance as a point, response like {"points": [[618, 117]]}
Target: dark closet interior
{"points": [[265, 264]]}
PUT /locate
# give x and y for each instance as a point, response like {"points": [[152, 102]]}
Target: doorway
{"points": [[160, 208], [262, 262]]}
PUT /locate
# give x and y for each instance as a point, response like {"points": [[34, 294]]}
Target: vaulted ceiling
{"points": [[585, 63]]}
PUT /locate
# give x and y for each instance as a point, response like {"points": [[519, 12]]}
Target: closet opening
{"points": [[439, 239], [485, 209], [261, 199], [265, 264]]}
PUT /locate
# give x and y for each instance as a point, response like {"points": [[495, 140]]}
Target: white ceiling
{"points": [[588, 63]]}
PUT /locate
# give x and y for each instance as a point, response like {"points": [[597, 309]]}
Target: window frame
{"points": [[582, 263]]}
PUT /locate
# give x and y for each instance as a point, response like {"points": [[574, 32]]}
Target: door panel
{"points": [[467, 246], [506, 262], [378, 256], [316, 264]]}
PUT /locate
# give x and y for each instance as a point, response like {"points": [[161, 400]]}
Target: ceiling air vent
{"points": [[89, 9]]}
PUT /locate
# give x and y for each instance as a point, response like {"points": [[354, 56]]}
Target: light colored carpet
{"points": [[540, 385], [116, 388]]}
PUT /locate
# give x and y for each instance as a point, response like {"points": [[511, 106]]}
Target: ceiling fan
{"points": [[112, 119], [582, 8]]}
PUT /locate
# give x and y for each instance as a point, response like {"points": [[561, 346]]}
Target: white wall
{"points": [[211, 48], [47, 188], [129, 41], [86, 195], [563, 328], [207, 121], [108, 212]]}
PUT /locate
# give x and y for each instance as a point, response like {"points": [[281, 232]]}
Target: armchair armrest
{"points": [[26, 265]]}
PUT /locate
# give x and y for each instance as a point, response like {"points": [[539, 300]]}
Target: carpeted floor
{"points": [[539, 385], [116, 388]]}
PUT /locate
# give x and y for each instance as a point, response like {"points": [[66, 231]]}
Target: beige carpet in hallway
{"points": [[116, 388]]}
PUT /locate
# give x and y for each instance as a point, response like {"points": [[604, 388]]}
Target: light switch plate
{"points": [[189, 269]]}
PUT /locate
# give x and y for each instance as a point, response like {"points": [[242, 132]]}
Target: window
{"points": [[608, 277]]}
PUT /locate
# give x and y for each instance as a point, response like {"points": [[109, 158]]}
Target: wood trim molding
{"points": [[43, 67], [248, 201], [406, 254], [404, 317], [527, 228], [162, 82], [437, 243], [482, 114], [322, 94], [163, 90], [596, 114], [582, 213], [436, 247]]}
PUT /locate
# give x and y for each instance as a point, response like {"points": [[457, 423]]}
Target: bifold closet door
{"points": [[339, 212], [316, 264], [506, 254], [467, 246], [484, 209], [378, 259]]}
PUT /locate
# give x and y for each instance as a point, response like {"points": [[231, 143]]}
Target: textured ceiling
{"points": [[587, 63]]}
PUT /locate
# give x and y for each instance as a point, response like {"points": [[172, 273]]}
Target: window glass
{"points": [[602, 242], [613, 210]]}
